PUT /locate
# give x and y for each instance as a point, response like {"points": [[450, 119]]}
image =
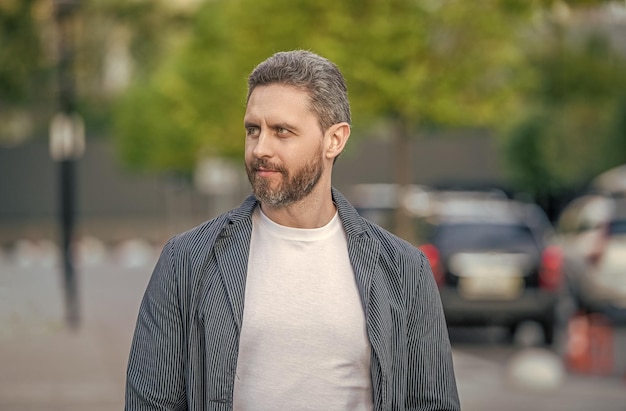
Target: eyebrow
{"points": [[274, 126], [284, 125]]}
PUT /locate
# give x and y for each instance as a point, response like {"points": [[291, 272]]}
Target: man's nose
{"points": [[263, 145]]}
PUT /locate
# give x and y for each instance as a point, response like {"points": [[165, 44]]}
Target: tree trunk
{"points": [[403, 177]]}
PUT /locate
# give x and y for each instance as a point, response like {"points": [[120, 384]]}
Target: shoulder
{"points": [[200, 239], [392, 245], [393, 249]]}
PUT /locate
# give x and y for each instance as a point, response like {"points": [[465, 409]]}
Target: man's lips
{"points": [[266, 171]]}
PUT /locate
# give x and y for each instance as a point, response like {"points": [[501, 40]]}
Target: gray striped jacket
{"points": [[184, 350]]}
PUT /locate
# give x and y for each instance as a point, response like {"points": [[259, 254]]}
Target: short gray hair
{"points": [[307, 71]]}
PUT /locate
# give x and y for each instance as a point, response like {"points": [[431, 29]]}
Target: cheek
{"points": [[248, 149]]}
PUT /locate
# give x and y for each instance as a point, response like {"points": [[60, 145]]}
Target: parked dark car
{"points": [[493, 261]]}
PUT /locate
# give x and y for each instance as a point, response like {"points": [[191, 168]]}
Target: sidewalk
{"points": [[46, 366], [59, 371]]}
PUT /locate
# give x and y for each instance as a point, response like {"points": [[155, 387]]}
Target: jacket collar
{"points": [[352, 222]]}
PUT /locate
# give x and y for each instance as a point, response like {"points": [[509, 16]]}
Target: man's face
{"points": [[283, 154]]}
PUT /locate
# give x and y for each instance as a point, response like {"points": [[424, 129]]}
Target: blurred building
{"points": [[115, 204]]}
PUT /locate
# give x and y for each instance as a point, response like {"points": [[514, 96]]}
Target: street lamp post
{"points": [[67, 143]]}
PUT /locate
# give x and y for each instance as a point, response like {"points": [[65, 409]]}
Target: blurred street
{"points": [[46, 367], [117, 122]]}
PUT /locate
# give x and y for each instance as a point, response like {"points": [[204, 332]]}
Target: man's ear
{"points": [[337, 137]]}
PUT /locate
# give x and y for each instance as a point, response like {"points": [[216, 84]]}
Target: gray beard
{"points": [[293, 188]]}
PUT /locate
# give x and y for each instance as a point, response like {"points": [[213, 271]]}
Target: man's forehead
{"points": [[278, 88], [278, 98]]}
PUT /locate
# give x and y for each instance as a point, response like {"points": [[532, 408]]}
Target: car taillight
{"points": [[551, 270], [431, 252]]}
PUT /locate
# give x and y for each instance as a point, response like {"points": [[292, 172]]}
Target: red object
{"points": [[431, 252], [590, 345], [551, 270]]}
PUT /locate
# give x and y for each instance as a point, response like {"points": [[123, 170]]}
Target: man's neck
{"points": [[313, 211]]}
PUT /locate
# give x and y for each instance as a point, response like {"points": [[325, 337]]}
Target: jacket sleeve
{"points": [[431, 382], [155, 374]]}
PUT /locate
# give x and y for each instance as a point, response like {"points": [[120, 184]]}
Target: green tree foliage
{"points": [[25, 69], [415, 63], [20, 50], [615, 148], [409, 64], [444, 63], [29, 57], [574, 121], [147, 31]]}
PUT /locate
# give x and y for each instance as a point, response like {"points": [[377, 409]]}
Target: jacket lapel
{"points": [[364, 253], [232, 248]]}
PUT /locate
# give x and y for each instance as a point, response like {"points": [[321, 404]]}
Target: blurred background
{"points": [[121, 125]]}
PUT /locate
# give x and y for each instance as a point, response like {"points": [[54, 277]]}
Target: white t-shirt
{"points": [[303, 342]]}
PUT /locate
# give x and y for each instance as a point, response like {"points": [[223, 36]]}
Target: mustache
{"points": [[266, 165]]}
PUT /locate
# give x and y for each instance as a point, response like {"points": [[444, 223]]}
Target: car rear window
{"points": [[451, 238]]}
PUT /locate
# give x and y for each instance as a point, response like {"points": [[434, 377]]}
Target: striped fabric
{"points": [[184, 351]]}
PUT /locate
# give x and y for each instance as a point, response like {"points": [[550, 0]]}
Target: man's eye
{"points": [[282, 130], [251, 131]]}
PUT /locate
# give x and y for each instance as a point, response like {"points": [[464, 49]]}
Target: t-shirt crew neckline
{"points": [[300, 234]]}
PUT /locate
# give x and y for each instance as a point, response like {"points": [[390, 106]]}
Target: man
{"points": [[291, 301]]}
